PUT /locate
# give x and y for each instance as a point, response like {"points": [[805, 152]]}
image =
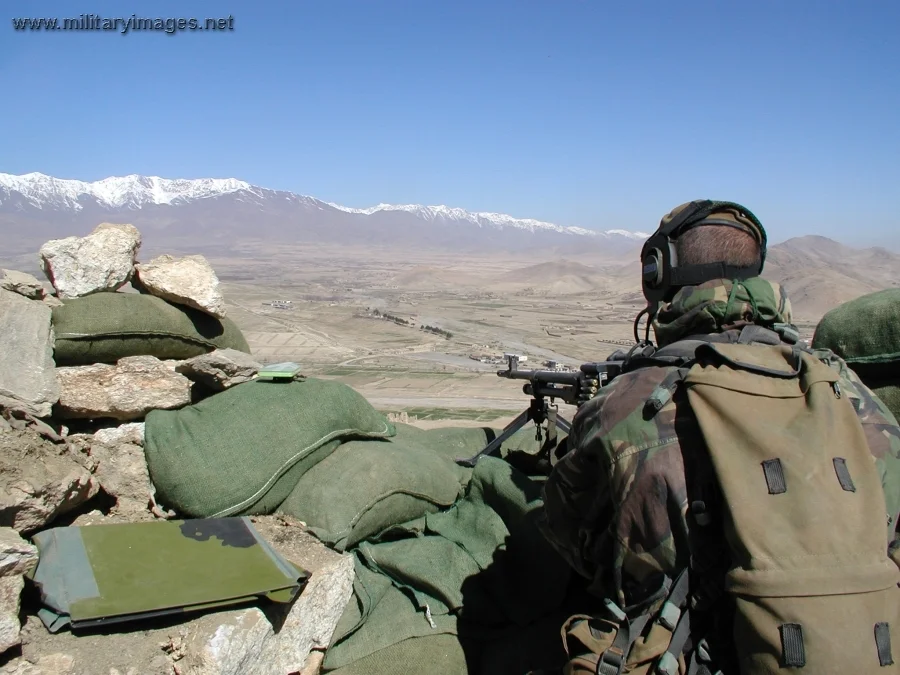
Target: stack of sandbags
{"points": [[177, 313], [312, 449], [866, 333], [122, 330]]}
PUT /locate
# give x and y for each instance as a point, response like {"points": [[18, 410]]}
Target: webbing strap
{"points": [[883, 644], [668, 662], [843, 474], [670, 613], [676, 617], [753, 333], [793, 652], [612, 661], [697, 668], [774, 476]]}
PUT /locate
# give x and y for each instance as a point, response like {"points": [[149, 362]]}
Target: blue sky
{"points": [[594, 113]]}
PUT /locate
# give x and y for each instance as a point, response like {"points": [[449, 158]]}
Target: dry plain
{"points": [[570, 311]]}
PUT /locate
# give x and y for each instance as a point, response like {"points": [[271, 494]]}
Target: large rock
{"points": [[17, 556], [246, 643], [10, 604], [23, 284], [220, 369], [188, 281], [27, 370], [123, 474], [126, 391], [40, 480], [131, 432], [101, 261]]}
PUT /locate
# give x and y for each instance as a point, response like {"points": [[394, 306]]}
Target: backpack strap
{"points": [[675, 616], [612, 661]]}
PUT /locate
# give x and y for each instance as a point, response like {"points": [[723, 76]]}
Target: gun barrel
{"points": [[544, 376]]}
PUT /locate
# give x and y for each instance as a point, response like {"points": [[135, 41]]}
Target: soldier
{"points": [[630, 506]]}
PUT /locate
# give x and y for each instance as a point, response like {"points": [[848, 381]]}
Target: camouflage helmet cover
{"points": [[660, 270]]}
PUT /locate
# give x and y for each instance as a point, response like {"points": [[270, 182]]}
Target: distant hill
{"points": [[424, 277], [820, 273]]}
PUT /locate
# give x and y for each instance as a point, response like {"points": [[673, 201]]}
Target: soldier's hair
{"points": [[717, 243]]}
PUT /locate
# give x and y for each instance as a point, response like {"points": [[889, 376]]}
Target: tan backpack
{"points": [[810, 584]]}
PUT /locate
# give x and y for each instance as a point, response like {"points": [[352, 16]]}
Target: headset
{"points": [[661, 276]]}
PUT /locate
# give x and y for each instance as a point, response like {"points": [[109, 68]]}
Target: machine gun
{"points": [[572, 387]]}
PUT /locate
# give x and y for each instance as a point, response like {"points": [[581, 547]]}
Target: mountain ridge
{"points": [[135, 191]]}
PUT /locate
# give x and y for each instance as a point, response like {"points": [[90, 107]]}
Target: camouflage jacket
{"points": [[612, 507]]}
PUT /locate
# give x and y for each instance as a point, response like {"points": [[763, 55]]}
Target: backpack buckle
{"points": [[669, 615], [611, 662], [667, 665]]}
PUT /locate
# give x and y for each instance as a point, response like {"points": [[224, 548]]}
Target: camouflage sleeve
{"points": [[577, 506], [881, 429], [615, 505]]}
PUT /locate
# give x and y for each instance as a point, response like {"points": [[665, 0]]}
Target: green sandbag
{"points": [[365, 487], [865, 330], [866, 333], [429, 655], [480, 570], [242, 451], [105, 327]]}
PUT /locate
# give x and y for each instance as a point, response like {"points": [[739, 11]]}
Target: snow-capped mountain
{"points": [[227, 209]]}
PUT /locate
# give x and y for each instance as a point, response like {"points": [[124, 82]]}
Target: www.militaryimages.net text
{"points": [[124, 25]]}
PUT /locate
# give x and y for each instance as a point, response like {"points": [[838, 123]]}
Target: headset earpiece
{"points": [[656, 268], [652, 268]]}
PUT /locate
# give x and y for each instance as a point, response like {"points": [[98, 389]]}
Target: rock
{"points": [[40, 480], [126, 391], [52, 301], [17, 556], [123, 474], [311, 621], [234, 647], [23, 284], [220, 369], [246, 642], [313, 663], [10, 603], [131, 432], [188, 281], [101, 261], [51, 664], [55, 664], [27, 369], [21, 667]]}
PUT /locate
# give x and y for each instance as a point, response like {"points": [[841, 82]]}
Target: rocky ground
{"points": [[71, 454]]}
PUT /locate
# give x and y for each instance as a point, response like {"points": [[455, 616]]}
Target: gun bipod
{"points": [[538, 411]]}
